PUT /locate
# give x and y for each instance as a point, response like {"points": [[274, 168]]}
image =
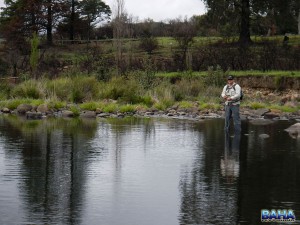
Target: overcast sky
{"points": [[159, 9]]}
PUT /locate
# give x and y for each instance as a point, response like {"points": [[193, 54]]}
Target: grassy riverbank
{"points": [[139, 91]]}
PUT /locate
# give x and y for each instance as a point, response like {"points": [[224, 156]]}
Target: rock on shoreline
{"points": [[257, 117]]}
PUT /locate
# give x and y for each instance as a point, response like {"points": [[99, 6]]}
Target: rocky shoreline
{"points": [[261, 116], [286, 98], [194, 113]]}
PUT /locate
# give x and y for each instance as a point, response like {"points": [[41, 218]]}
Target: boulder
{"points": [[261, 122], [271, 115], [43, 108], [294, 130], [88, 114], [120, 115], [23, 108], [149, 113], [34, 115], [98, 111], [5, 110], [103, 115], [182, 113], [67, 113], [261, 112], [172, 111]]}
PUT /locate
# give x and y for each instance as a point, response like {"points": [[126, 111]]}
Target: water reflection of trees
{"points": [[54, 160], [52, 167], [269, 172], [268, 176]]}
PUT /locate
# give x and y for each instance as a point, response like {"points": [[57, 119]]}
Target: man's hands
{"points": [[227, 98]]}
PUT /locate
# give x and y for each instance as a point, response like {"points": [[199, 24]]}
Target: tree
{"points": [[34, 55], [20, 18], [244, 38], [282, 13], [93, 12], [184, 32], [225, 12], [72, 19], [119, 26], [53, 11]]}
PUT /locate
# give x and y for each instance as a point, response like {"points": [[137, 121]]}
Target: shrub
{"points": [[84, 89], [163, 91], [127, 91], [149, 44], [29, 89], [147, 100], [215, 77], [5, 89], [77, 89], [59, 88], [187, 89], [210, 94]]}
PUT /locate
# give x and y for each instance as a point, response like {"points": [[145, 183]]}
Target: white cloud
{"points": [[159, 9], [164, 9]]}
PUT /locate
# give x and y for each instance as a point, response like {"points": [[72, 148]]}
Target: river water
{"points": [[144, 172]]}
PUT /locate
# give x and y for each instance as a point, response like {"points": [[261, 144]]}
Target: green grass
{"points": [[14, 103], [185, 105], [199, 74], [257, 105], [75, 110], [267, 73], [55, 104], [193, 74], [127, 108], [164, 104], [212, 106], [284, 108], [110, 108]]}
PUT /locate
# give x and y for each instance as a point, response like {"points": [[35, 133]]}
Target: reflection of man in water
{"points": [[230, 165]]}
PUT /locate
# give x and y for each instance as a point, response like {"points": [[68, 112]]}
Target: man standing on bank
{"points": [[231, 94]]}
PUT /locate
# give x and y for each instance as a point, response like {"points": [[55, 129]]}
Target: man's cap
{"points": [[230, 77]]}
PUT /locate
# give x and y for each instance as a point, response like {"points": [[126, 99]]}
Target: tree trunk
{"points": [[49, 22], [245, 23], [118, 33], [72, 19], [299, 22]]}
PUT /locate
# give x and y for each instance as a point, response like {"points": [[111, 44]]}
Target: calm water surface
{"points": [[144, 172]]}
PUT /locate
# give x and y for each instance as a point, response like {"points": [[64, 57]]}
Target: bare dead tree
{"points": [[119, 22]]}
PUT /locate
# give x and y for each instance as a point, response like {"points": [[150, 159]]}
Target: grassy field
{"points": [[196, 74], [167, 43]]}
